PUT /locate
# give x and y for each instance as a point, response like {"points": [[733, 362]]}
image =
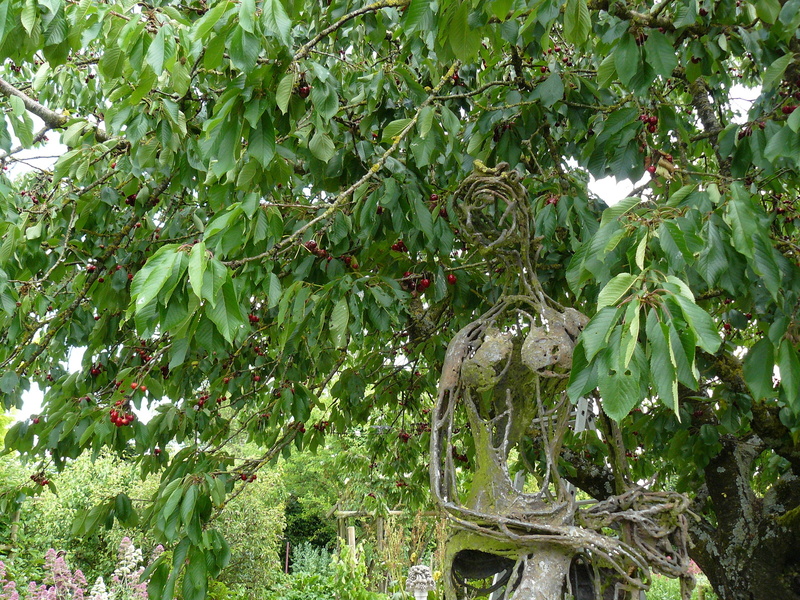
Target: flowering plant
{"points": [[125, 581], [61, 583], [8, 589]]}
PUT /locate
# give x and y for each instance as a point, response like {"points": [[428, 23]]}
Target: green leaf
{"points": [[28, 16], [595, 334], [627, 58], [794, 121], [779, 144], [775, 71], [662, 361], [340, 317], [660, 53], [465, 40], [426, 120], [275, 19], [147, 283], [321, 146], [9, 382], [155, 53], [173, 492], [619, 386], [195, 581], [766, 263], [226, 312], [188, 503], [284, 92], [701, 324], [606, 72], [550, 91], [198, 259], [583, 376], [415, 14], [111, 63], [423, 218], [622, 207], [325, 100], [393, 129], [631, 330], [742, 219], [3, 18], [615, 289], [577, 22], [206, 23], [768, 10], [758, 368], [275, 291], [789, 364], [247, 13], [244, 49]]}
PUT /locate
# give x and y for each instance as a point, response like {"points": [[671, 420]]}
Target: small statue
{"points": [[420, 582]]}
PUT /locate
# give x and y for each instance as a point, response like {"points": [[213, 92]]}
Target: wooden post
{"points": [[379, 533], [351, 539], [287, 558], [380, 543]]}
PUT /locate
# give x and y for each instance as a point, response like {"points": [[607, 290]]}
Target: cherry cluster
{"points": [[412, 281], [459, 457], [789, 89], [202, 399], [651, 121], [747, 130], [314, 248], [399, 246], [40, 478], [33, 196], [248, 477], [121, 416]]}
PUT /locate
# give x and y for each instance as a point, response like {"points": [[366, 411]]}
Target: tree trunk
{"points": [[754, 550]]}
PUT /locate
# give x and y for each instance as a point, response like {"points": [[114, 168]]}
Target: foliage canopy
{"points": [[255, 219]]}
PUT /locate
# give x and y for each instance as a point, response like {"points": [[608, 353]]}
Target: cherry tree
{"points": [[270, 210]]}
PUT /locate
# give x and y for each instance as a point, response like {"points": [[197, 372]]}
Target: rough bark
{"points": [[748, 546]]}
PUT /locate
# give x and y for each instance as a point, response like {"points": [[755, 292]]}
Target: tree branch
{"points": [[52, 119], [304, 50]]}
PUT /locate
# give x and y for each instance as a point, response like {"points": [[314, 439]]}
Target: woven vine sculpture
{"points": [[504, 381]]}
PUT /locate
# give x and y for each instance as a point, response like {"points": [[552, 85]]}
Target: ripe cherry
{"points": [[434, 198], [451, 279], [304, 90]]}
